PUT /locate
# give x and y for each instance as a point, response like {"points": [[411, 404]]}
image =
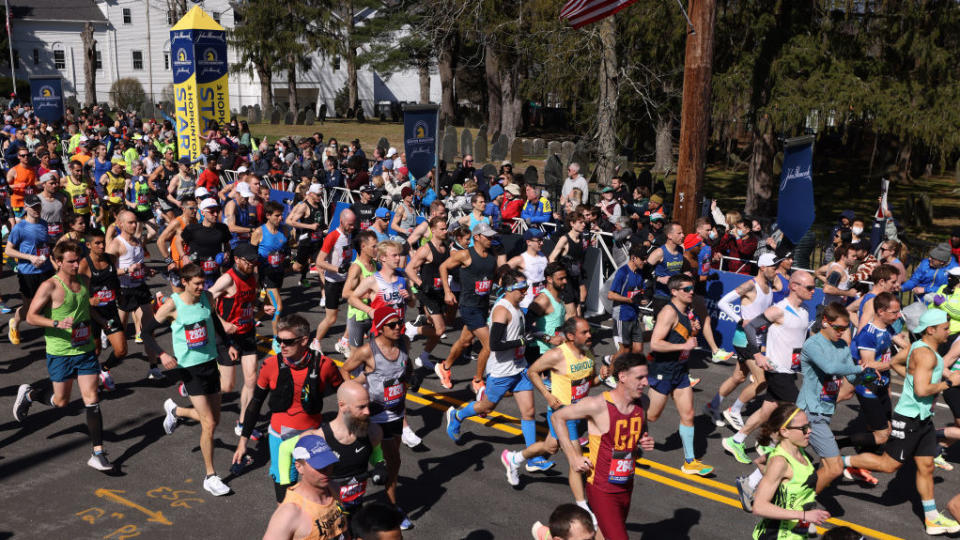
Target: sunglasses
{"points": [[23, 155], [810, 288], [688, 288], [288, 341], [805, 428], [840, 327], [395, 325], [214, 210]]}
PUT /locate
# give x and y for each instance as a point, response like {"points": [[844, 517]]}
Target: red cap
{"points": [[691, 241], [383, 315]]}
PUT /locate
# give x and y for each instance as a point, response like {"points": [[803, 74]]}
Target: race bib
{"points": [[246, 316], [364, 225], [345, 254], [352, 490], [43, 250], [29, 190], [137, 274], [316, 235], [481, 287], [80, 201], [829, 390], [54, 229], [795, 361], [579, 389], [116, 194], [196, 335], [437, 283], [105, 296], [621, 467], [79, 334], [142, 199], [537, 288], [275, 259], [210, 266], [392, 393]]}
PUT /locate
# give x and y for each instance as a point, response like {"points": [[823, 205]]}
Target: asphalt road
{"points": [[451, 491]]}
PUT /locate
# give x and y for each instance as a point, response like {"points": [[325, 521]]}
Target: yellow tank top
{"points": [[79, 197], [574, 384], [328, 521], [115, 186]]}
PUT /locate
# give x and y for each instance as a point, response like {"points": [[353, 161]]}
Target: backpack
{"points": [[311, 395]]}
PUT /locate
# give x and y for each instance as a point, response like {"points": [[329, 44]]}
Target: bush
{"points": [[127, 94]]}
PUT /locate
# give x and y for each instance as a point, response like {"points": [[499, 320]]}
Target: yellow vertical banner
{"points": [[198, 45]]}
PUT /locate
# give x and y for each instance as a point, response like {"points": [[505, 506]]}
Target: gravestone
{"points": [[311, 117], [553, 172], [489, 171], [384, 144], [288, 118], [581, 155], [539, 147], [322, 115], [448, 148], [500, 148], [531, 175], [466, 142], [566, 152], [276, 116], [527, 147], [254, 116], [256, 109], [553, 148], [480, 145], [516, 151], [301, 117], [494, 138]]}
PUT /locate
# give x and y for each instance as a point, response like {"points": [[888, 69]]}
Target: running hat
{"points": [[383, 315], [691, 241], [208, 203], [315, 451], [391, 152], [243, 189], [382, 213], [48, 177], [955, 271], [506, 163], [246, 252], [495, 192], [185, 161], [315, 188], [513, 189], [405, 192], [767, 259], [532, 234], [930, 317], [484, 229], [201, 192], [118, 161], [31, 200]]}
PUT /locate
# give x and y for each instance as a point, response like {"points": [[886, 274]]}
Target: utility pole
{"points": [[695, 113], [13, 70]]}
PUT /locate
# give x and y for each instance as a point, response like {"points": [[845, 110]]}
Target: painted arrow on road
{"points": [[114, 495]]}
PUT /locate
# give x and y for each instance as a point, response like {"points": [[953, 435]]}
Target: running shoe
{"points": [[411, 331], [610, 382], [215, 486], [736, 449], [313, 270], [694, 381], [453, 424], [238, 431], [733, 418], [421, 362], [746, 493], [941, 525], [540, 531], [170, 416], [21, 406], [406, 524], [538, 464], [410, 438], [14, 335], [478, 387], [764, 450], [714, 414], [696, 467], [137, 338], [343, 348], [420, 320], [154, 373], [106, 380], [182, 389], [99, 461], [856, 473], [444, 374], [941, 460], [315, 345], [721, 356], [304, 283], [4, 309], [513, 471]]}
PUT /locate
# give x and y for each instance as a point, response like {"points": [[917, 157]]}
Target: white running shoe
{"points": [[315, 346], [733, 418], [513, 472], [411, 331], [100, 462], [410, 438], [170, 419], [215, 486], [343, 348]]}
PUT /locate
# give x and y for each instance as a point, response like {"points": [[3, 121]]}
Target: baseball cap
{"points": [[31, 200], [185, 161], [209, 202], [767, 259], [368, 188], [930, 317], [532, 234], [506, 163], [606, 189], [201, 192], [315, 451], [513, 189], [691, 241], [384, 314], [484, 229], [315, 188], [246, 252], [382, 213], [46, 177], [391, 152], [244, 190]]}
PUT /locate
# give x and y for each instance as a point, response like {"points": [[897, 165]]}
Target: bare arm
{"points": [[658, 339], [359, 357], [588, 407], [283, 523], [453, 262], [560, 249], [551, 360], [420, 256], [355, 298]]}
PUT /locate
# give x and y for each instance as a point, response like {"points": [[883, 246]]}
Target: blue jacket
{"points": [[332, 179], [428, 197], [536, 213], [930, 279], [493, 211]]}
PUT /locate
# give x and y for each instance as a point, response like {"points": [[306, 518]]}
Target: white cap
{"points": [[242, 169], [208, 203], [315, 188], [244, 190], [767, 259], [955, 271], [391, 152], [200, 192], [48, 176]]}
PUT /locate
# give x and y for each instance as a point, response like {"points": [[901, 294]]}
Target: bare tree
{"points": [[89, 64]]}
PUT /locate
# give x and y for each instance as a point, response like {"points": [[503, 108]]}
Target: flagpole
{"points": [[13, 71]]}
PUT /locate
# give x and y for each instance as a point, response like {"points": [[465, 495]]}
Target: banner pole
{"points": [[13, 71]]}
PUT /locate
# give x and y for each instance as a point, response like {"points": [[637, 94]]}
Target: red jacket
{"points": [[510, 210]]}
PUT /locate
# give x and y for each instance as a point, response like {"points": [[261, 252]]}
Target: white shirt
{"points": [[580, 183]]}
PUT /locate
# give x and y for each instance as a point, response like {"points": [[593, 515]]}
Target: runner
{"points": [[477, 266], [755, 295], [836, 278], [385, 371], [184, 183], [307, 219], [914, 434], [140, 194], [170, 244], [618, 433], [546, 313], [161, 178], [195, 331], [22, 180], [207, 243], [567, 522], [101, 272], [62, 308], [296, 380], [627, 294], [52, 203], [786, 499], [358, 321], [334, 260], [674, 336], [885, 278], [80, 194], [310, 510], [667, 261], [271, 241], [28, 243], [532, 263], [114, 182], [423, 271], [422, 232], [240, 215], [571, 250]]}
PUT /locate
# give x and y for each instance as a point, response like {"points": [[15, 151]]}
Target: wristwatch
{"points": [[948, 382], [56, 324]]}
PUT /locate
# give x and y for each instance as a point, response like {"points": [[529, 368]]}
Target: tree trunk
{"points": [[447, 65], [492, 76], [423, 70], [292, 86], [266, 89], [760, 180], [350, 56], [607, 103], [508, 90], [89, 65], [664, 145]]}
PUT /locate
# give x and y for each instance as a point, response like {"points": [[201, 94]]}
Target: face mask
{"points": [[713, 235], [857, 231]]}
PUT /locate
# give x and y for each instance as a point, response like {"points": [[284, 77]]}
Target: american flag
{"points": [[583, 12]]}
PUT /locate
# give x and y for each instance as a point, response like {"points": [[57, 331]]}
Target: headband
{"points": [[789, 418], [516, 286]]}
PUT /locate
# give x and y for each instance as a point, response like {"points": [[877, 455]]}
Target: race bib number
{"points": [[392, 393], [481, 287], [43, 250], [537, 289], [137, 274], [80, 201], [829, 390], [364, 225], [437, 283], [142, 199], [795, 361], [345, 254], [54, 229], [29, 190], [210, 266], [196, 335], [275, 259], [105, 296], [79, 334], [579, 389], [116, 194], [621, 467], [352, 490], [246, 316]]}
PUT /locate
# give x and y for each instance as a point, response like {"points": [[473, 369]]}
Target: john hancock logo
{"points": [[420, 133], [210, 62], [46, 97], [182, 63]]}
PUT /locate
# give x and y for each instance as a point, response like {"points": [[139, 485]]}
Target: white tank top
{"points": [[510, 362], [761, 301], [533, 267], [132, 254], [785, 339]]}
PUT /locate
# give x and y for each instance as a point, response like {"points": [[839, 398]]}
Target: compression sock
{"points": [[529, 429], [110, 363], [686, 437], [425, 360], [95, 424], [930, 509], [716, 401], [737, 406], [466, 412], [863, 440], [754, 478], [739, 437]]}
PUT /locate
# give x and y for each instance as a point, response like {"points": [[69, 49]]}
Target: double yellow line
{"points": [[508, 424]]}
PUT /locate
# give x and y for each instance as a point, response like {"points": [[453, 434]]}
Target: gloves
{"points": [[939, 299], [378, 474]]}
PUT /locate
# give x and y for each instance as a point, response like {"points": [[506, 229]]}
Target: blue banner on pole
{"points": [[46, 96], [795, 210], [420, 138]]}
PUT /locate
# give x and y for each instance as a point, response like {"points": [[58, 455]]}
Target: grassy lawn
{"points": [[838, 185]]}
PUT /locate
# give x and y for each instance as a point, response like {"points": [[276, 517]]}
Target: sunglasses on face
{"points": [[288, 341], [805, 428], [810, 288], [395, 325], [840, 327], [688, 288]]}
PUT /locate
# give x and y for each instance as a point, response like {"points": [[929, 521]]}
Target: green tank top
{"points": [[909, 404], [357, 314], [142, 193], [194, 342], [550, 322], [76, 340], [797, 493]]}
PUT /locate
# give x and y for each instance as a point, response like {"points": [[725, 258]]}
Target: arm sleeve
{"points": [[150, 324], [756, 331], [285, 459], [252, 414], [726, 305], [497, 338]]}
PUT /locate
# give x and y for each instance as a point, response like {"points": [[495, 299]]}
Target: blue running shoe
{"points": [[453, 424], [539, 464]]}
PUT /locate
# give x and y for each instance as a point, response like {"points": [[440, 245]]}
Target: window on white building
{"points": [[36, 57], [166, 60], [138, 60], [98, 63], [216, 16], [336, 63], [127, 16], [59, 59]]}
